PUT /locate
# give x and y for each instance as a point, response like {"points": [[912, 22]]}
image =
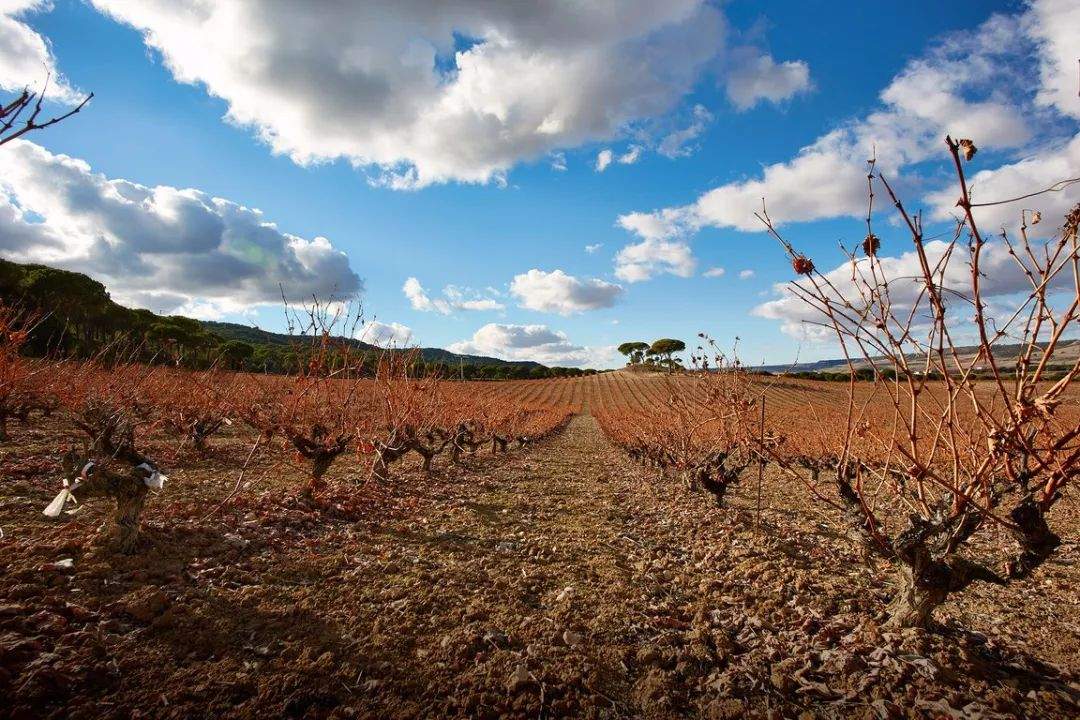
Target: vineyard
{"points": [[286, 546], [356, 538]]}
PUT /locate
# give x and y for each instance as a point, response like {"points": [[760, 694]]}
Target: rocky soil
{"points": [[563, 581]]}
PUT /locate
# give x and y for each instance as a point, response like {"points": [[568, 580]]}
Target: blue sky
{"points": [[807, 70]]}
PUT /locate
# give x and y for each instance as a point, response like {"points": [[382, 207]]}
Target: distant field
{"points": [[623, 391]]}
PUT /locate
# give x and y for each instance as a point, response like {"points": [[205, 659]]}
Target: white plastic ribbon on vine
{"points": [[60, 501], [56, 507]]}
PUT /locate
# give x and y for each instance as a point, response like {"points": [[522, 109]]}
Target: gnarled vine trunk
{"points": [[918, 593], [128, 491], [384, 456], [128, 518], [320, 464]]}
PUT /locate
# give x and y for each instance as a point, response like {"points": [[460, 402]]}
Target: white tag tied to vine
{"points": [[58, 503]]}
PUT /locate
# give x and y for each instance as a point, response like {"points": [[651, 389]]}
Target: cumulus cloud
{"points": [[591, 249], [657, 253], [538, 343], [558, 161], [420, 300], [756, 77], [660, 225], [643, 260], [715, 272], [453, 298], [1053, 24], [461, 90], [980, 83], [25, 56], [558, 292], [160, 247], [386, 335], [746, 274], [428, 93]]}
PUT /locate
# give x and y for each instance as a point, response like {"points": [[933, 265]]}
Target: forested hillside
{"points": [[76, 317]]}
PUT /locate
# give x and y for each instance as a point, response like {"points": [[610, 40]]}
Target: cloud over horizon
{"points": [[1002, 279], [162, 248], [531, 342], [386, 335]]}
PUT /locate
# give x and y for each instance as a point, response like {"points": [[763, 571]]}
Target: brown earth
{"points": [[562, 581]]}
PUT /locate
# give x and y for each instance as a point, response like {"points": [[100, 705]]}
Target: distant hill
{"points": [[78, 318], [258, 336], [1067, 352]]}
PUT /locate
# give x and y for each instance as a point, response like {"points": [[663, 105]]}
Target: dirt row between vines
{"points": [[560, 582]]}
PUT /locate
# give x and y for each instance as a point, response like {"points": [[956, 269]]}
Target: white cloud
{"points": [[677, 143], [756, 77], [660, 225], [25, 57], [631, 156], [1037, 171], [603, 159], [817, 183], [386, 335], [428, 93], [1002, 277], [420, 300], [538, 343], [468, 299], [558, 292], [160, 247], [558, 161], [1054, 26], [591, 249], [715, 272], [453, 298], [210, 309], [976, 84], [641, 261], [746, 274]]}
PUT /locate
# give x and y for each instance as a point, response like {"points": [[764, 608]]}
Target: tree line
{"points": [[76, 318]]}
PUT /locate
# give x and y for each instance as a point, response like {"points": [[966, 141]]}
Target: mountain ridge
{"points": [[255, 334], [68, 296]]}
